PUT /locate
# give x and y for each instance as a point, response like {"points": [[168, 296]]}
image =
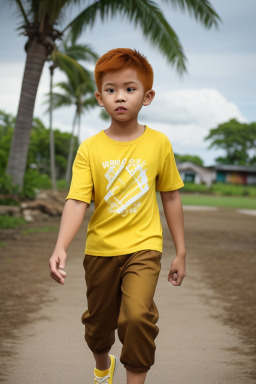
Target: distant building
{"points": [[193, 173], [230, 174], [235, 174]]}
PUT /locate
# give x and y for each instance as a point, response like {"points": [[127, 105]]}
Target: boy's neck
{"points": [[126, 131]]}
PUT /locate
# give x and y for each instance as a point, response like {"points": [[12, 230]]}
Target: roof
{"points": [[234, 168], [187, 165]]}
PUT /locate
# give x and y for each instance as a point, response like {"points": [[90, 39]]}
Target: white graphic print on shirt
{"points": [[127, 182]]}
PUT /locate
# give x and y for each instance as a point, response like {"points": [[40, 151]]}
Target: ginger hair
{"points": [[121, 58]]}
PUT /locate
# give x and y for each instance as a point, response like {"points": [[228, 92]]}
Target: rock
{"points": [[9, 210], [51, 207], [42, 195], [27, 215], [48, 203], [31, 215]]}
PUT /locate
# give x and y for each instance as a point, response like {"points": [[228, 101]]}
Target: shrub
{"points": [[62, 185], [6, 186], [221, 189], [233, 190], [192, 187], [7, 222], [8, 191], [34, 181]]}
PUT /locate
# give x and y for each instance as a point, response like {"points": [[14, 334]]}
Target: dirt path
{"points": [[193, 346]]}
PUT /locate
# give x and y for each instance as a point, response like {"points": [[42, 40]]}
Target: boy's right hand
{"points": [[56, 265]]}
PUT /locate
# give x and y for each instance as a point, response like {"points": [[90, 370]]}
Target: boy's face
{"points": [[122, 94]]}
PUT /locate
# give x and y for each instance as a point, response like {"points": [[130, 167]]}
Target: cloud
{"points": [[184, 115], [187, 115], [204, 107], [10, 86]]}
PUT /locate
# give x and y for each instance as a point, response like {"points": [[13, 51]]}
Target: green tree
{"points": [[192, 158], [40, 20], [79, 91], [39, 149], [7, 123], [253, 142], [238, 140], [65, 57]]}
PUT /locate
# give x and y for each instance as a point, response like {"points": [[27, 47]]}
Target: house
{"points": [[235, 174], [229, 174], [193, 173]]}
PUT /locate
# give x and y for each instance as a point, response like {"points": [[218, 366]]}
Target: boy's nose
{"points": [[120, 97]]}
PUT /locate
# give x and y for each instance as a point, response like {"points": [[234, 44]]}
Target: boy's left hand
{"points": [[177, 271]]}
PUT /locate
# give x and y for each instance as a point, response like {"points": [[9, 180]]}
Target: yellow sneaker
{"points": [[106, 377]]}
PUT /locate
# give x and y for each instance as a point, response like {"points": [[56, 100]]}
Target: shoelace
{"points": [[101, 380]]}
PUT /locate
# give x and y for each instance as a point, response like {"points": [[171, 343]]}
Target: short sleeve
{"points": [[81, 187], [168, 177]]}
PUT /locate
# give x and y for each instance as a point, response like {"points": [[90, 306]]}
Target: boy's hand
{"points": [[177, 271], [56, 265]]}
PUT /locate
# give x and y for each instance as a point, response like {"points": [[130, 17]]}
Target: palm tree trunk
{"points": [[79, 127], [52, 146], [70, 153], [36, 58]]}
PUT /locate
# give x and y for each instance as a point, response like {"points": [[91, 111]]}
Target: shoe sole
{"points": [[116, 365]]}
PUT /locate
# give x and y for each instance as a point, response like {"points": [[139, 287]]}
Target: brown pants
{"points": [[120, 291]]}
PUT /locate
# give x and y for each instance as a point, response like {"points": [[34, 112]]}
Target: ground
{"points": [[207, 326]]}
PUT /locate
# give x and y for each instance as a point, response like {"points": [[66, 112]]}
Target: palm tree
{"points": [[64, 57], [79, 91], [40, 20]]}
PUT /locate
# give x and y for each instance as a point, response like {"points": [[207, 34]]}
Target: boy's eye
{"points": [[130, 89], [110, 90]]}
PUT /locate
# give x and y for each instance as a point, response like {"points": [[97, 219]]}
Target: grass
{"points": [[215, 201], [219, 201], [28, 231], [2, 244], [8, 222], [221, 189]]}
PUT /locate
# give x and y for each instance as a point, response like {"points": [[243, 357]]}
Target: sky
{"points": [[220, 83]]}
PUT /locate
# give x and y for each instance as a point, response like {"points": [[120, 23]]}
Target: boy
{"points": [[120, 169]]}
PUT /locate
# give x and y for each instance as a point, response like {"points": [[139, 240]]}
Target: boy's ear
{"points": [[149, 96], [98, 97]]}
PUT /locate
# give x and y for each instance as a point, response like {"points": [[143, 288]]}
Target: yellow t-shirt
{"points": [[122, 178]]}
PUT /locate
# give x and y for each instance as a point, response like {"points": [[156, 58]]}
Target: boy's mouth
{"points": [[120, 109]]}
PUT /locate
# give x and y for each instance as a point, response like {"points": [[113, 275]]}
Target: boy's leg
{"points": [[138, 314], [103, 296], [135, 378], [102, 361]]}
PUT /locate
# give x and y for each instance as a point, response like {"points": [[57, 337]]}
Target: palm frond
{"points": [[66, 86], [74, 93], [89, 102], [23, 12], [59, 100], [60, 59], [67, 63], [201, 9], [156, 29], [48, 12], [79, 78], [143, 13], [57, 10], [80, 52], [20, 9], [38, 125], [104, 116], [85, 18]]}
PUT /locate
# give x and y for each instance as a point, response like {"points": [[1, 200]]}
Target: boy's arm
{"points": [[72, 218], [174, 217]]}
